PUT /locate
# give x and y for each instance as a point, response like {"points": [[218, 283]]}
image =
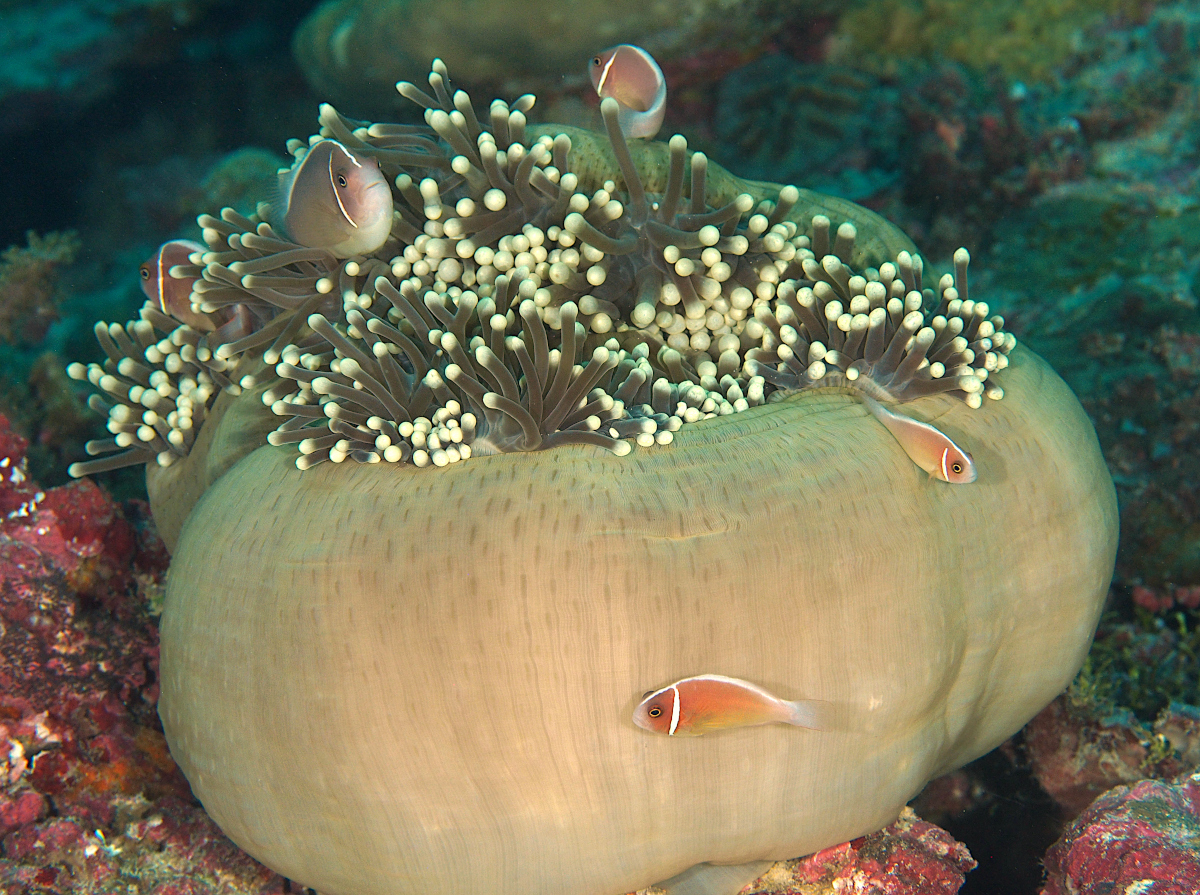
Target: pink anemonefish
{"points": [[928, 447], [173, 295], [697, 705], [631, 76], [337, 200]]}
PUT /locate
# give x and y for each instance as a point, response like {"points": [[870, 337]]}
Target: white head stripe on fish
{"points": [[674, 711], [293, 180], [604, 73], [336, 194]]}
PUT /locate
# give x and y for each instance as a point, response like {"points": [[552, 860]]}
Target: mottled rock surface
{"points": [[90, 800], [1143, 838]]}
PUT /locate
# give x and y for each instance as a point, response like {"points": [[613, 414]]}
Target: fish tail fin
{"points": [[812, 714]]}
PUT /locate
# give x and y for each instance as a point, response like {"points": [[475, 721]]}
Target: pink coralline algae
{"points": [[90, 800], [1166, 598], [909, 857], [1143, 838], [1076, 754]]}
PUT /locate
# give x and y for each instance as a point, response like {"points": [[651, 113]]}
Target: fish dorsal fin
{"points": [[287, 179], [714, 879]]}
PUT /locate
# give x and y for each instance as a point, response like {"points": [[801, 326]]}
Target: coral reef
{"points": [[68, 51], [941, 149], [1121, 243], [1143, 664], [908, 857], [29, 290], [90, 800], [834, 128], [41, 401], [32, 391], [947, 148], [1136, 378], [356, 49], [1139, 838], [1077, 752], [1026, 38]]}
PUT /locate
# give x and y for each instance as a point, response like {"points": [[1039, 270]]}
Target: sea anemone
{"points": [[517, 312], [593, 426]]}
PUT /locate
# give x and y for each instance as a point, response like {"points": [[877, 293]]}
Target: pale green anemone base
{"points": [[381, 679]]}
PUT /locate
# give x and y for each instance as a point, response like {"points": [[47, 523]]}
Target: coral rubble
{"points": [[908, 857], [1142, 838], [1077, 751]]}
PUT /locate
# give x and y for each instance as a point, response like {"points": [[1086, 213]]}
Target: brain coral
{"points": [[587, 424]]}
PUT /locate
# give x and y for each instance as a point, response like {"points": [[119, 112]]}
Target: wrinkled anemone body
{"points": [[386, 679], [587, 423]]}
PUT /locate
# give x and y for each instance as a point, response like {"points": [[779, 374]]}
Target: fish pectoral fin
{"points": [[714, 879]]}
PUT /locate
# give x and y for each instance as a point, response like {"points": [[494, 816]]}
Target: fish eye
{"points": [[956, 467], [595, 60], [341, 180], [654, 712], [144, 271]]}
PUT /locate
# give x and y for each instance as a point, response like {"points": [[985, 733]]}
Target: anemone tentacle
{"points": [[514, 309], [155, 387]]}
